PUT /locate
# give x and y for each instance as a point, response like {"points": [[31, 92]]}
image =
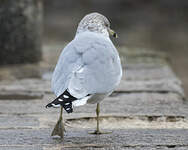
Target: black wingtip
{"points": [[69, 111], [64, 100], [49, 105]]}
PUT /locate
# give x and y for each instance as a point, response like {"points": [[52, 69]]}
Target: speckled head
{"points": [[95, 22]]}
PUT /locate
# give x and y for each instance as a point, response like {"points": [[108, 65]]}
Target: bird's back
{"points": [[89, 64]]}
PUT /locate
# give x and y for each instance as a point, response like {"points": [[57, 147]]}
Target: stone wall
{"points": [[20, 31]]}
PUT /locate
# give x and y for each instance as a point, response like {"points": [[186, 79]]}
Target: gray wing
{"points": [[68, 61], [90, 64]]}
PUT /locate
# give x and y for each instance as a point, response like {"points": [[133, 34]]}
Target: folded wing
{"points": [[89, 64]]}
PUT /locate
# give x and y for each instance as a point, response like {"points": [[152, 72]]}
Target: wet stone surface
{"points": [[148, 111], [18, 121], [130, 138]]}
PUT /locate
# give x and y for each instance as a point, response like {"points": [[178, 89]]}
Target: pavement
{"points": [[148, 111]]}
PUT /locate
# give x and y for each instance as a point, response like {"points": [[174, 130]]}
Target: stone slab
{"points": [[143, 71], [135, 79], [18, 121], [20, 95], [131, 103], [121, 111], [21, 147], [79, 139], [147, 111], [140, 104]]}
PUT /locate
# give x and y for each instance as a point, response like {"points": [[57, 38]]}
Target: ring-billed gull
{"points": [[88, 69]]}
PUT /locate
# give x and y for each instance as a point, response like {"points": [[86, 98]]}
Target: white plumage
{"points": [[89, 64], [88, 69]]}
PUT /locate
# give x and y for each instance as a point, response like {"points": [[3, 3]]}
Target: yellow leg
{"points": [[59, 128], [97, 131], [97, 113]]}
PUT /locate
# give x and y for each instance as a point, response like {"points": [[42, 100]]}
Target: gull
{"points": [[88, 69]]}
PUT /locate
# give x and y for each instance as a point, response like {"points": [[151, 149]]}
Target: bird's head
{"points": [[95, 22]]}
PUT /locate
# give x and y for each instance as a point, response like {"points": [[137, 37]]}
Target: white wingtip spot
{"points": [[68, 109], [67, 103], [65, 96], [60, 100], [54, 105]]}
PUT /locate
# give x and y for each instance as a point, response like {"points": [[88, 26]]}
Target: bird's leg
{"points": [[97, 113], [97, 131], [59, 128]]}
